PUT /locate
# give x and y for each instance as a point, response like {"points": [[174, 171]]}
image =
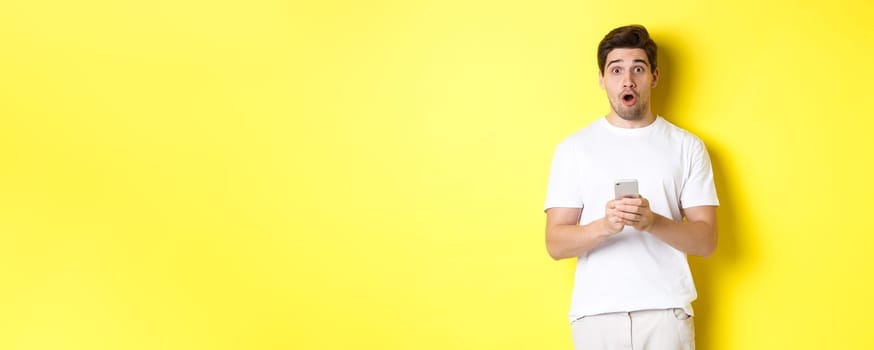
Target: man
{"points": [[633, 288]]}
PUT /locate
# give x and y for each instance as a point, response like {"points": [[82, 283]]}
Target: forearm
{"points": [[571, 241], [691, 237]]}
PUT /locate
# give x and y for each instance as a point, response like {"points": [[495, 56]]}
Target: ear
{"points": [[655, 78], [601, 80]]}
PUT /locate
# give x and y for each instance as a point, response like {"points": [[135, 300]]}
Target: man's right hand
{"points": [[613, 221]]}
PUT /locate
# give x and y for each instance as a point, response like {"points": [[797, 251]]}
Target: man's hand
{"points": [[634, 212], [614, 219]]}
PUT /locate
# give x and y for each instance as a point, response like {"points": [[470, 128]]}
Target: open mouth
{"points": [[628, 99]]}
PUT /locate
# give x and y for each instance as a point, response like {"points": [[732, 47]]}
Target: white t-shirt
{"points": [[631, 270]]}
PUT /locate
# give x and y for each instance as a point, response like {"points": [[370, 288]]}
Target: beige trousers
{"points": [[668, 329]]}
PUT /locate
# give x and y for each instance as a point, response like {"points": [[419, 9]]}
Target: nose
{"points": [[627, 82]]}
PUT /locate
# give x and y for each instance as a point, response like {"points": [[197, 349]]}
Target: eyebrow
{"points": [[636, 60]]}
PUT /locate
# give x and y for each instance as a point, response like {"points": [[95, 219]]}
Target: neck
{"points": [[617, 121]]}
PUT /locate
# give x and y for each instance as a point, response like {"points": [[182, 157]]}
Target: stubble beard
{"points": [[632, 113]]}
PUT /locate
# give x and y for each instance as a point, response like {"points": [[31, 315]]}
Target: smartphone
{"points": [[625, 188]]}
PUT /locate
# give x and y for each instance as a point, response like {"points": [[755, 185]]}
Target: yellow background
{"points": [[332, 175]]}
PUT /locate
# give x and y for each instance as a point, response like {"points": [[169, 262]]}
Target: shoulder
{"points": [[682, 136]]}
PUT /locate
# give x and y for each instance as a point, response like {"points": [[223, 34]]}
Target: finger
{"points": [[630, 223], [628, 208], [631, 201], [616, 221], [630, 216]]}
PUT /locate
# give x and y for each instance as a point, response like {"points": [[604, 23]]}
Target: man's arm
{"points": [[696, 236], [566, 239]]}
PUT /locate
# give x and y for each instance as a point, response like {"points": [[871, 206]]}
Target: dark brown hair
{"points": [[628, 37]]}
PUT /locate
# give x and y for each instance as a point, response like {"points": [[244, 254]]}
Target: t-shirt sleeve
{"points": [[563, 190], [699, 189]]}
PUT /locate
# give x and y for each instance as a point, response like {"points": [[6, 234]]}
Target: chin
{"points": [[632, 115]]}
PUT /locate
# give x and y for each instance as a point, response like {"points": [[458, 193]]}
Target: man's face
{"points": [[628, 80]]}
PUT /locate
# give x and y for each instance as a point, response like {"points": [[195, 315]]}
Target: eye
{"points": [[638, 69], [615, 70]]}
